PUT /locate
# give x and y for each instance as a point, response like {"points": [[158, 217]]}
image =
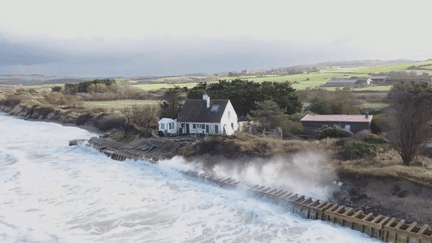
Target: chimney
{"points": [[367, 115], [207, 98]]}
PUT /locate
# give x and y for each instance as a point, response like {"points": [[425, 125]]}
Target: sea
{"points": [[53, 192]]}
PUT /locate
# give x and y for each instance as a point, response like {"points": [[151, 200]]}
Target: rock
{"points": [[403, 193], [396, 188], [76, 142], [50, 116]]}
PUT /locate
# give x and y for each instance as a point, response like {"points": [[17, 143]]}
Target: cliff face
{"points": [[95, 123], [36, 113]]}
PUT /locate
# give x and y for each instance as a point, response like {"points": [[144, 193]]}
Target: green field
{"points": [[374, 105], [300, 81], [118, 105]]}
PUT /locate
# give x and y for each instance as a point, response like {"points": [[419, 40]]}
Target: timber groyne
{"points": [[378, 226]]}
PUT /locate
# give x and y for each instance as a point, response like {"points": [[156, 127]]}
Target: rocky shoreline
{"points": [[393, 197]]}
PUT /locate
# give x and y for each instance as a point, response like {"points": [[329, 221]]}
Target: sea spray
{"points": [[309, 173]]}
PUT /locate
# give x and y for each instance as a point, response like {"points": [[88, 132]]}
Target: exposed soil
{"points": [[391, 197]]}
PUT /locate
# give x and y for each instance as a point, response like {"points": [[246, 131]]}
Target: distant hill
{"points": [[36, 79]]}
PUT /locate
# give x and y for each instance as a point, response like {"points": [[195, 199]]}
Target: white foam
{"points": [[75, 194]]}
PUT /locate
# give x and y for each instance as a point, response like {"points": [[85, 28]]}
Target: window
{"points": [[171, 126], [216, 129], [194, 126], [229, 113], [348, 128], [232, 125], [214, 108], [162, 126], [202, 126]]}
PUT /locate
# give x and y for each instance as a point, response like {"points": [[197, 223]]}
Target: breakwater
{"points": [[381, 227], [377, 226]]}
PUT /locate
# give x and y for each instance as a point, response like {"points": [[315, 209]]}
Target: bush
{"points": [[288, 125], [106, 122], [56, 89], [355, 149], [376, 139], [118, 136], [380, 124], [333, 132]]}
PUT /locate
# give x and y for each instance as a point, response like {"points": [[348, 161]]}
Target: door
{"points": [[207, 129], [187, 129]]}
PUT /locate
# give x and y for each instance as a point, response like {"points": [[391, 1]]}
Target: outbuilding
{"points": [[352, 123], [168, 126]]}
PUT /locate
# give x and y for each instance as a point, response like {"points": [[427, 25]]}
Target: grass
{"points": [[374, 105], [316, 79], [118, 105]]}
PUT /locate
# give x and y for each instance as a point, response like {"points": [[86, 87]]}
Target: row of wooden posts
{"points": [[377, 226]]}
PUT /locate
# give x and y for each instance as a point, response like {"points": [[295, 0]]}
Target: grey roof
{"points": [[197, 111], [378, 77], [344, 82]]}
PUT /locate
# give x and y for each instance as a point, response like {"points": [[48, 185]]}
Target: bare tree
{"points": [[173, 99], [143, 117], [410, 117]]}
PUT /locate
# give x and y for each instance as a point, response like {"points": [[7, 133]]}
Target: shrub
{"points": [[380, 124], [333, 132], [355, 149], [106, 122], [288, 125], [56, 88], [376, 139], [118, 136], [142, 116]]}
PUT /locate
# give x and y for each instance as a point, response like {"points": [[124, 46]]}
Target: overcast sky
{"points": [[137, 38]]}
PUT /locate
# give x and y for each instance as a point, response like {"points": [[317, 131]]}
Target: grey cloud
{"points": [[165, 56]]}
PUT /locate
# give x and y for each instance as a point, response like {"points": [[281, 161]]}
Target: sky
{"points": [[157, 38]]}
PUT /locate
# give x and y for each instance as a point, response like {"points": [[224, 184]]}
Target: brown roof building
{"points": [[352, 123]]}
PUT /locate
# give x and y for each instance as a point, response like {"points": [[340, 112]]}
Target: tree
{"points": [[319, 106], [144, 118], [171, 105], [266, 112], [198, 91], [335, 102], [410, 118], [245, 94], [284, 95]]}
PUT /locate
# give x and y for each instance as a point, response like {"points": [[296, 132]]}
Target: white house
{"points": [[207, 116], [167, 126]]}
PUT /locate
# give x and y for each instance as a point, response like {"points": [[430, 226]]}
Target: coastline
{"points": [[392, 197]]}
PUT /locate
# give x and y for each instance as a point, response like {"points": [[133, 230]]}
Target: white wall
{"points": [[198, 128], [229, 122], [166, 128]]}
